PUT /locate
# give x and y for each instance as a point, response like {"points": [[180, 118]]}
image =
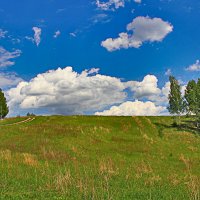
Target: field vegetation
{"points": [[90, 157]]}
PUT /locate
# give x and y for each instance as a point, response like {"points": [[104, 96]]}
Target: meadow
{"points": [[93, 157]]}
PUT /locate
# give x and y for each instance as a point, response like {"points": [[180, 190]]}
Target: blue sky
{"points": [[81, 27]]}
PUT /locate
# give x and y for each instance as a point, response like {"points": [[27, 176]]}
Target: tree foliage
{"points": [[176, 102], [192, 96], [3, 105]]}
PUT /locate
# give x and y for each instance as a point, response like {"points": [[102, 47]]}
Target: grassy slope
{"points": [[12, 120], [98, 158]]}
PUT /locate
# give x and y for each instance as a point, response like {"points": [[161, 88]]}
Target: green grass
{"points": [[12, 120], [88, 157]]}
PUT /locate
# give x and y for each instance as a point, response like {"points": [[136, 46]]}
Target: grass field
{"points": [[88, 157]]}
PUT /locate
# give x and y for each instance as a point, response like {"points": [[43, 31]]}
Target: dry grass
{"points": [[186, 161], [143, 168], [30, 160], [152, 180], [192, 181], [193, 149], [150, 123], [174, 179], [108, 167], [5, 155], [63, 181], [58, 156], [138, 122], [149, 139], [193, 185]]}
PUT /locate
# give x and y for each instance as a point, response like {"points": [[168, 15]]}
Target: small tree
{"points": [[176, 102], [3, 105]]}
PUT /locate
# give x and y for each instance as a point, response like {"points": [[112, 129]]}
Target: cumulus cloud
{"points": [[56, 34], [144, 29], [162, 97], [136, 108], [15, 97], [64, 91], [9, 80], [37, 35], [194, 67], [147, 87], [6, 57]]}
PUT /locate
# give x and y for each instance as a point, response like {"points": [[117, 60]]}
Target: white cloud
{"points": [[147, 87], [6, 57], [162, 97], [30, 38], [15, 97], [64, 91], [144, 29], [166, 89], [9, 80], [110, 5], [102, 17], [37, 35], [3, 33], [56, 34], [136, 108], [138, 1], [72, 34], [92, 71], [194, 67]]}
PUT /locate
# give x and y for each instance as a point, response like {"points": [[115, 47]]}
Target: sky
{"points": [[102, 57]]}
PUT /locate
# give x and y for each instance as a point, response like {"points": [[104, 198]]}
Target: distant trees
{"points": [[189, 102], [3, 105], [176, 101], [30, 114]]}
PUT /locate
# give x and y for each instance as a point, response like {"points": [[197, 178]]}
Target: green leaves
{"points": [[192, 96], [3, 105], [176, 102]]}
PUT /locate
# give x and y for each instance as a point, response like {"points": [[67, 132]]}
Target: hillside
{"points": [[89, 157]]}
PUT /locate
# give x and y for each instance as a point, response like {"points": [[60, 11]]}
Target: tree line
{"points": [[188, 103]]}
